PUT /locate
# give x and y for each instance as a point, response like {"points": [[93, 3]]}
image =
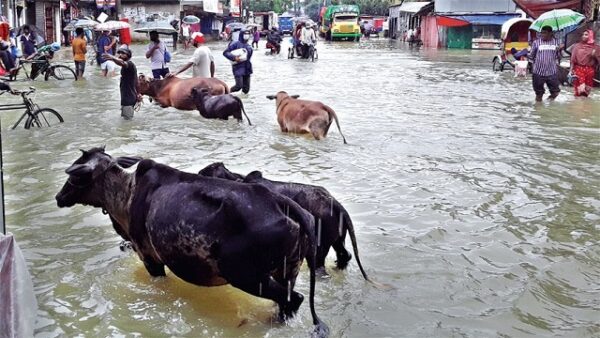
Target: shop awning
{"points": [[487, 19], [413, 7], [447, 21]]}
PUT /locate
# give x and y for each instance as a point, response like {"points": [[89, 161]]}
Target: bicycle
{"points": [[36, 116], [57, 71]]}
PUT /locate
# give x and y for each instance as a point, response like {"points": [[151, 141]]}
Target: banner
{"points": [[105, 3], [211, 6], [234, 8]]}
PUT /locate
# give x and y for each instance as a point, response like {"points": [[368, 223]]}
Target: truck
{"points": [[286, 23], [264, 20], [340, 22]]}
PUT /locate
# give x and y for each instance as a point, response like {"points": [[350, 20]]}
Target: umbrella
{"points": [[111, 25], [197, 37], [236, 26], [190, 19], [558, 19], [161, 27], [83, 23]]}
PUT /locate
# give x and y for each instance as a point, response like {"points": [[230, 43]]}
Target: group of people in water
{"points": [[545, 55]]}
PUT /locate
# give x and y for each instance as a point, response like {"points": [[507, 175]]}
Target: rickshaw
{"points": [[515, 36], [296, 48]]}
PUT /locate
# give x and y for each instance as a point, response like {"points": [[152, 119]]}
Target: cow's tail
{"points": [[333, 115], [239, 100], [308, 229], [350, 227]]}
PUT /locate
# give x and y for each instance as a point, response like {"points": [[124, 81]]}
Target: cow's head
{"points": [[219, 170], [280, 96], [86, 175], [201, 93], [145, 85]]}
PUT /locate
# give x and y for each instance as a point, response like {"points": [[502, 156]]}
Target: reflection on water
{"points": [[480, 207]]}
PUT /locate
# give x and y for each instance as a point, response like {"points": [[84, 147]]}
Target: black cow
{"points": [[218, 106], [329, 212], [208, 231]]}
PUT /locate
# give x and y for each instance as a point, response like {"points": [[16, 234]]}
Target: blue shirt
{"points": [[102, 42]]}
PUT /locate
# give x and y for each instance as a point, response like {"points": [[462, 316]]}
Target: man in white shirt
{"points": [[307, 38], [202, 61], [156, 54]]}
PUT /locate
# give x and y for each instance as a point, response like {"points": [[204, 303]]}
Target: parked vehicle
{"points": [[264, 20], [286, 24], [340, 22], [515, 36]]}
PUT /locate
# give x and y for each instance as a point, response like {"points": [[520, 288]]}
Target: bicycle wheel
{"points": [[44, 117], [61, 72]]}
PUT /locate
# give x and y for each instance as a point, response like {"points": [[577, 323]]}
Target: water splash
{"points": [[319, 232]]}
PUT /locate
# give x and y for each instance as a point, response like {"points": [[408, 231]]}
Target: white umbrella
{"points": [[190, 19], [83, 23], [111, 25], [161, 27]]}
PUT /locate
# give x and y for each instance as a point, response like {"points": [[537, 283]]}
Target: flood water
{"points": [[480, 208]]}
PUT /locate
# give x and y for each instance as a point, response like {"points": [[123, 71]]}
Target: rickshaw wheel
{"points": [[497, 66]]}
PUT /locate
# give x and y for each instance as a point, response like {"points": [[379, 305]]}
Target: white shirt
{"points": [[201, 61], [185, 30], [307, 36], [157, 60]]}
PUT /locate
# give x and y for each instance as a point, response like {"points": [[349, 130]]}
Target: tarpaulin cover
{"points": [[18, 306], [491, 19], [450, 22]]}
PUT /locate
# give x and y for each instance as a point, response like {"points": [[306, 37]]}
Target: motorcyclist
{"points": [[274, 40]]}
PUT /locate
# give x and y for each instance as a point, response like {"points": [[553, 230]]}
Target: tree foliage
{"points": [[372, 7]]}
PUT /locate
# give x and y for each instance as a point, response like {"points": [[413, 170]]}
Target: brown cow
{"points": [[304, 116], [177, 92]]}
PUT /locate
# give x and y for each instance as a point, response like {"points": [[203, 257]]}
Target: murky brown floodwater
{"points": [[481, 208]]}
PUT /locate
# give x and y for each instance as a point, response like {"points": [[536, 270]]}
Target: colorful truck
{"points": [[340, 22]]}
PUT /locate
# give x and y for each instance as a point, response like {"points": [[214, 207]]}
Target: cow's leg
{"points": [[154, 268], [271, 289], [343, 256], [317, 126]]}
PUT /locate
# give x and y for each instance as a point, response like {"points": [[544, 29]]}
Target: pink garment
{"points": [[586, 53]]}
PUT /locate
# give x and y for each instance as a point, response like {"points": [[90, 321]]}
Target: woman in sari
{"points": [[585, 58]]}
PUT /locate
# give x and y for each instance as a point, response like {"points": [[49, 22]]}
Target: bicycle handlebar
{"points": [[23, 92]]}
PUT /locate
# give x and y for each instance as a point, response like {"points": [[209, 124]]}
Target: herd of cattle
{"points": [[217, 227], [211, 97]]}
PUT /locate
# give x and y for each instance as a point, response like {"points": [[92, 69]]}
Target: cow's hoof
{"points": [[289, 309], [342, 262]]}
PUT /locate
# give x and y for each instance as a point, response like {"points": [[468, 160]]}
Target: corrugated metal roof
{"points": [[413, 7]]}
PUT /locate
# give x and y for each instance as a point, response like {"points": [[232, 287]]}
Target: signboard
{"points": [[211, 6], [234, 8], [106, 3], [474, 6]]}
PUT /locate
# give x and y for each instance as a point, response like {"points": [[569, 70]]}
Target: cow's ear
{"points": [[127, 161], [271, 97], [255, 175], [294, 96], [79, 169]]}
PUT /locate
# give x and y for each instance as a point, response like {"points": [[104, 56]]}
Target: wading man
{"points": [[129, 81], [545, 55]]}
